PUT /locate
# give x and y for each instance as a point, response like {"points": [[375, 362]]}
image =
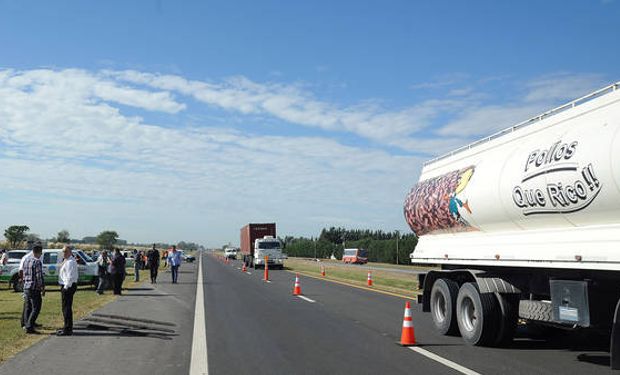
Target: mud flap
{"points": [[614, 350]]}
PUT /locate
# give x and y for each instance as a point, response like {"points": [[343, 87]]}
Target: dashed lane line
{"points": [[443, 361], [307, 299]]}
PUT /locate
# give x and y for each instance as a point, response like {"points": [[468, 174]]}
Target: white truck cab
{"points": [[270, 247], [230, 253]]}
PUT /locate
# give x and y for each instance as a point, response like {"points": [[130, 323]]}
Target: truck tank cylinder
{"points": [[558, 174]]}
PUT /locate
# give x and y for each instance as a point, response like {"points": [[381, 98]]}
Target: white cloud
{"points": [[562, 87], [67, 143], [292, 104], [534, 97]]}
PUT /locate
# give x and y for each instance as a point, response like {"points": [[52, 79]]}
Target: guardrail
{"points": [[584, 99]]}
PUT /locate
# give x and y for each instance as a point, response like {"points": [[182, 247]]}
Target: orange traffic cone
{"points": [[369, 279], [322, 271], [297, 288], [243, 269], [407, 337]]}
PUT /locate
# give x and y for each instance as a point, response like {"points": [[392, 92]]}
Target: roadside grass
{"points": [[394, 282], [13, 339], [339, 263]]}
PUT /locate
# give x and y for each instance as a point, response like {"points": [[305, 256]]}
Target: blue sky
{"points": [[169, 120]]}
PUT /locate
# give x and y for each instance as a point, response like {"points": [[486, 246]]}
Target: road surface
{"points": [[254, 327]]}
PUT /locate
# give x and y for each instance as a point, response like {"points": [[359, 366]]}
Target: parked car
{"points": [[52, 259], [187, 258], [15, 256]]}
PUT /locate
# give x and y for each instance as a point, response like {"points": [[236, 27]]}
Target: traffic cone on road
{"points": [[407, 337], [369, 279], [297, 288], [243, 269]]}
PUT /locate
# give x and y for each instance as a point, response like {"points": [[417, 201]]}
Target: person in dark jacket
{"points": [[117, 271], [153, 262], [34, 288]]}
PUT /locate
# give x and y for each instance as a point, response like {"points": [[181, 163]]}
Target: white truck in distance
{"points": [[268, 247], [525, 224]]}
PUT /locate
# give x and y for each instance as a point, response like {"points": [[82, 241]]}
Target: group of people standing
{"points": [[31, 269], [112, 268]]}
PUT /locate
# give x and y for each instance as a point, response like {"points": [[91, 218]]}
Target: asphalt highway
{"points": [[254, 327]]}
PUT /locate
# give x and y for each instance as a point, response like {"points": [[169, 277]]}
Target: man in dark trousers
{"points": [[117, 270], [153, 259], [34, 288], [67, 278], [174, 260]]}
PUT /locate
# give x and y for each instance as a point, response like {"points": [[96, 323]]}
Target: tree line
{"points": [[381, 245], [18, 236]]}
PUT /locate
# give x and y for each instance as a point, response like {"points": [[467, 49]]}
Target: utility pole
{"points": [[397, 236], [315, 249]]}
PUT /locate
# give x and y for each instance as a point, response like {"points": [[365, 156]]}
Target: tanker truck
{"points": [[525, 226]]}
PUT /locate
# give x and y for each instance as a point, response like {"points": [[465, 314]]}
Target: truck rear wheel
{"points": [[477, 315], [443, 306]]}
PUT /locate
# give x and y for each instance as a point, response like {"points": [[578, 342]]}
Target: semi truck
{"points": [[257, 242], [525, 226]]}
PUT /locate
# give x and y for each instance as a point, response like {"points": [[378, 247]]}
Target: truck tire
{"points": [[509, 315], [443, 306], [477, 315], [536, 310]]}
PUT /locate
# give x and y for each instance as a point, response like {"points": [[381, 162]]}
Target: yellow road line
{"points": [[354, 286]]}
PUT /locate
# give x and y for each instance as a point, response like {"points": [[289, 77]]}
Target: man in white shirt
{"points": [[67, 278]]}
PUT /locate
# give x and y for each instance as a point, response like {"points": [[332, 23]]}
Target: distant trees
{"points": [[381, 245], [188, 246], [107, 239], [32, 238], [63, 236], [16, 234]]}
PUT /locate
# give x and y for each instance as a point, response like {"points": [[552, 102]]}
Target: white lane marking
{"points": [[307, 299], [238, 268], [199, 364], [249, 273], [443, 361], [267, 281]]}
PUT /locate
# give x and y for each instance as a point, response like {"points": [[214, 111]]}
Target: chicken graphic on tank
{"points": [[455, 203]]}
